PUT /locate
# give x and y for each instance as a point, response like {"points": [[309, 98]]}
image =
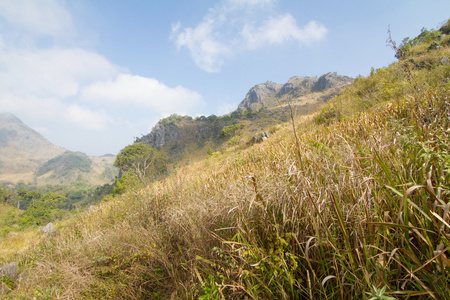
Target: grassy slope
{"points": [[360, 206], [12, 242]]}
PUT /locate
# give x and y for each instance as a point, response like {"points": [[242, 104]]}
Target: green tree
{"points": [[142, 159], [27, 196], [40, 211], [6, 194], [128, 181]]}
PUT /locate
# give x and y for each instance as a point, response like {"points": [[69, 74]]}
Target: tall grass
{"points": [[365, 214]]}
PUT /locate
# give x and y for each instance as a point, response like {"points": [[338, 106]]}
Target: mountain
{"points": [[25, 155], [22, 149], [269, 93], [184, 138]]}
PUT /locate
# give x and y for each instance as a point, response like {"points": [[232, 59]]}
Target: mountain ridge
{"points": [[264, 106], [268, 93], [24, 152]]}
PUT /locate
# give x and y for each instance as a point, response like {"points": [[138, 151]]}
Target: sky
{"points": [[91, 75]]}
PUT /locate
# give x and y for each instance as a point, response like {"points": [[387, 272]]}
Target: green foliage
{"points": [[328, 115], [41, 211], [8, 220], [212, 118], [211, 290], [425, 37], [128, 181], [445, 29], [144, 160], [378, 294], [8, 282], [234, 141], [231, 129], [175, 118], [6, 194], [66, 164]]}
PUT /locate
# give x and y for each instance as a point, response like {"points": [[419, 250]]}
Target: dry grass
{"points": [[17, 243], [364, 212]]}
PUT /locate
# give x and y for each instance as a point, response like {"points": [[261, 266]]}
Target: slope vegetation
{"points": [[348, 203]]}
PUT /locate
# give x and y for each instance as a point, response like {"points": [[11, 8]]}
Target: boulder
{"points": [[49, 228], [260, 137], [435, 46], [9, 270]]}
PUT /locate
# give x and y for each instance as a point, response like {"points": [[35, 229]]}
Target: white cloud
{"points": [[46, 83], [225, 108], [44, 17], [249, 3], [137, 91], [204, 43], [233, 27], [55, 111], [55, 72], [280, 30], [89, 119]]}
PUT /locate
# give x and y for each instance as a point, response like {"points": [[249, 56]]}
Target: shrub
{"points": [[231, 129]]}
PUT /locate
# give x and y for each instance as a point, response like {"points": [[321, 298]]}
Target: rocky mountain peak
{"points": [[267, 93], [257, 94], [330, 80]]}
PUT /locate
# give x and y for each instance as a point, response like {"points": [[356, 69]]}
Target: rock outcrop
{"points": [[9, 270], [162, 133], [269, 93], [257, 95], [330, 80]]}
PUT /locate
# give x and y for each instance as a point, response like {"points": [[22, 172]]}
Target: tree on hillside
{"points": [[6, 194], [26, 196], [144, 160], [41, 211]]}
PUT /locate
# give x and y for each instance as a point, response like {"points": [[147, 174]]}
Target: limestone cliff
{"points": [[259, 94], [270, 93], [162, 133]]}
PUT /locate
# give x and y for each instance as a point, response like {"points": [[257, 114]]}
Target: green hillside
{"points": [[66, 164], [348, 202]]}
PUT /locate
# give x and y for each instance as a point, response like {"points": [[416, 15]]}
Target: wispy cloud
{"points": [[279, 30], [136, 91], [44, 17], [232, 27]]}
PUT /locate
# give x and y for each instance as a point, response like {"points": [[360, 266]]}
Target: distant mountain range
{"points": [[27, 156]]}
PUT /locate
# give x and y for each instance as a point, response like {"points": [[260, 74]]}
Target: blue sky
{"points": [[90, 75]]}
